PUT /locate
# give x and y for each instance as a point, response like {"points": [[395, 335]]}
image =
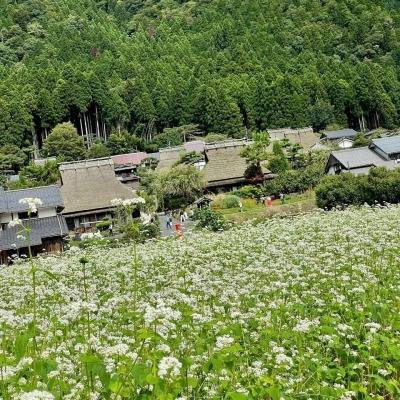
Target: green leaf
{"points": [[152, 379], [21, 344], [237, 396], [274, 392]]}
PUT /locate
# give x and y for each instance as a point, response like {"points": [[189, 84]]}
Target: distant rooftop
{"points": [[83, 164], [41, 228], [389, 144], [341, 133], [129, 159], [361, 157], [91, 185]]}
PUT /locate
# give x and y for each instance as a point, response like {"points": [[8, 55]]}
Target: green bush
{"points": [[140, 233], [249, 192], [231, 201], [379, 186], [210, 219], [104, 224]]}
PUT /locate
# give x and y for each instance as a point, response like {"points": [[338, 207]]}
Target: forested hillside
{"points": [[223, 64]]}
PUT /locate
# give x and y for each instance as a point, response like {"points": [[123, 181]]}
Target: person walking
{"points": [[169, 221], [181, 216], [282, 197]]}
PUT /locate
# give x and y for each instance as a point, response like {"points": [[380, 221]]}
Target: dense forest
{"points": [[226, 65]]}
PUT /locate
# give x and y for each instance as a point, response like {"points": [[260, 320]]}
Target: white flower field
{"points": [[306, 307]]}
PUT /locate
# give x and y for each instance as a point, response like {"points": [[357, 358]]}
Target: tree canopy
{"points": [[229, 66], [64, 143]]}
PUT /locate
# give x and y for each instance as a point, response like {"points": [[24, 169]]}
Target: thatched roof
{"points": [[305, 137], [169, 157], [224, 166], [90, 186]]}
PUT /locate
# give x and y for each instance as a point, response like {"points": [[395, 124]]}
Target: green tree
{"points": [[321, 114], [98, 150], [120, 143], [12, 158], [255, 154], [64, 143], [278, 161], [180, 185], [37, 175], [360, 140]]}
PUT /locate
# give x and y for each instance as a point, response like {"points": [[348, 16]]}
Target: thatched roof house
{"points": [[88, 187], [305, 137], [225, 167], [170, 156]]}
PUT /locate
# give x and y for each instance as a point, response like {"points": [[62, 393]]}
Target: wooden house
{"points": [[48, 226], [88, 188]]}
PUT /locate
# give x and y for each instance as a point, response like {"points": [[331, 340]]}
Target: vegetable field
{"points": [[305, 308]]}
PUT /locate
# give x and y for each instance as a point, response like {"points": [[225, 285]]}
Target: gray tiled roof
{"points": [[389, 144], [41, 228], [342, 133], [360, 157], [50, 196]]}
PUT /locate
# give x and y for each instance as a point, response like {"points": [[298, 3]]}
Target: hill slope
{"points": [[224, 64]]}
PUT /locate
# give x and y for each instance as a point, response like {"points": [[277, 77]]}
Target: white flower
{"points": [[127, 202], [223, 341], [91, 235], [145, 218], [116, 202], [169, 365], [373, 326], [383, 372], [21, 237], [304, 325], [32, 203], [15, 222], [283, 359], [36, 395]]}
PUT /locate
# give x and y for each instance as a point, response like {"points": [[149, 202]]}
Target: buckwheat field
{"points": [[298, 308]]}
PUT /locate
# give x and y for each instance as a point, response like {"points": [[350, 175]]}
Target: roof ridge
{"points": [[32, 188]]}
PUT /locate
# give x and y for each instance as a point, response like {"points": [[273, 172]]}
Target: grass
{"points": [[293, 204]]}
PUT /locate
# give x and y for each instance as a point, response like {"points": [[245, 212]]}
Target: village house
{"points": [[170, 156], [48, 226], [126, 167], [342, 138], [383, 152], [306, 138], [88, 188], [225, 168]]}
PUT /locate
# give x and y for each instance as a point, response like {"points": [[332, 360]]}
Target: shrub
{"points": [[140, 233], [210, 219], [104, 224], [249, 192], [231, 201], [379, 186]]}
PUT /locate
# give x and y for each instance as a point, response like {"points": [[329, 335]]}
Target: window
{"points": [[25, 215], [337, 168]]}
